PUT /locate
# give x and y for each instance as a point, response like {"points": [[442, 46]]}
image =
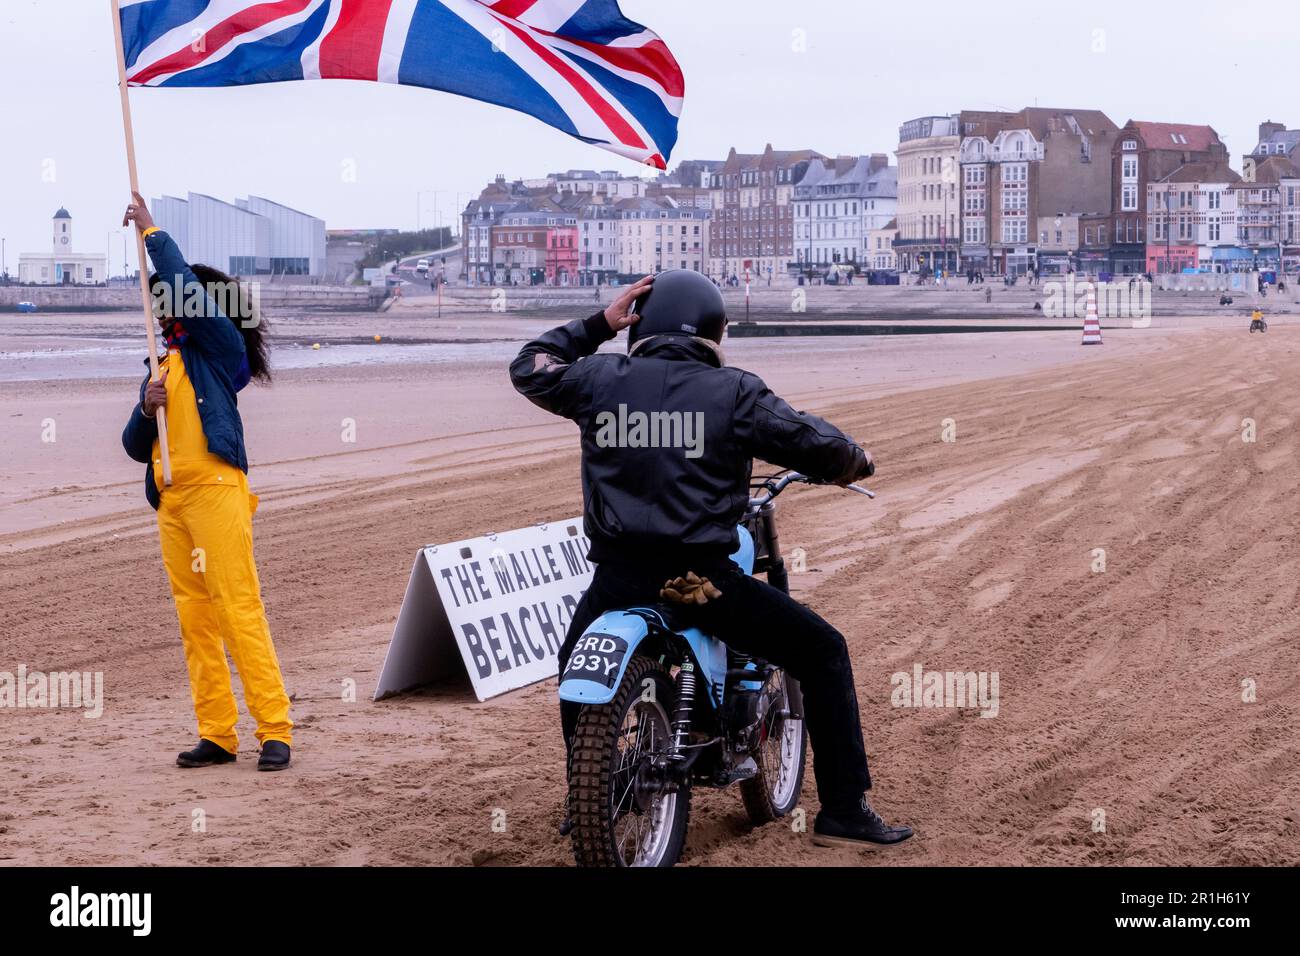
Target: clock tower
{"points": [[62, 231]]}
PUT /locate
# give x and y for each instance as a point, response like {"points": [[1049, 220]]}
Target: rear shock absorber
{"points": [[685, 700]]}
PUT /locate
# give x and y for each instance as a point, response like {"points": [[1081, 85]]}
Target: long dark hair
{"points": [[234, 300]]}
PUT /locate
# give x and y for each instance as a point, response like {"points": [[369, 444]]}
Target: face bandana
{"points": [[175, 335]]}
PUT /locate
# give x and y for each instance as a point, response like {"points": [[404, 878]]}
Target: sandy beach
{"points": [[1121, 690]]}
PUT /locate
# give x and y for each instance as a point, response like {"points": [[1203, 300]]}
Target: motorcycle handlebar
{"points": [[775, 487]]}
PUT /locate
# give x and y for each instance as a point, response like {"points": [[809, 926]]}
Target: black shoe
{"points": [[275, 756], [856, 827], [206, 754]]}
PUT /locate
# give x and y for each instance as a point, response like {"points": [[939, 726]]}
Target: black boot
{"points": [[206, 754], [856, 827], [275, 756]]}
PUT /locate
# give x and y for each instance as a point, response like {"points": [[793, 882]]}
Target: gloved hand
{"points": [[691, 589], [870, 468]]}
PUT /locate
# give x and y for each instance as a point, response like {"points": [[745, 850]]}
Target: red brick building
{"points": [[535, 248], [753, 212], [1146, 153]]}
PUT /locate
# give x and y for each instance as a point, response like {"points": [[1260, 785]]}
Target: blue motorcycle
{"points": [[666, 708]]}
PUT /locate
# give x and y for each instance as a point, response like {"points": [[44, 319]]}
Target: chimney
{"points": [[1268, 128], [878, 162]]}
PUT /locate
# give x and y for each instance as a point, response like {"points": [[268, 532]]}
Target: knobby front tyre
{"points": [[617, 820]]}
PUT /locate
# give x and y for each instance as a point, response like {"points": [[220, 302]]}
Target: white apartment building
{"points": [[1192, 220], [928, 196], [612, 185], [598, 244], [837, 204], [656, 235]]}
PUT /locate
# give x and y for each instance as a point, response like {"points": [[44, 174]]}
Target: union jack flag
{"points": [[577, 65]]}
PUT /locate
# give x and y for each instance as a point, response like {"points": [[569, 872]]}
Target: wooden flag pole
{"points": [[146, 297]]}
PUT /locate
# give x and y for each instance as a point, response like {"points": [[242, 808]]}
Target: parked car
{"points": [[882, 277], [26, 306]]}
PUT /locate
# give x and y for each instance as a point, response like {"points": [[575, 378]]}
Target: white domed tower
{"points": [[62, 231]]}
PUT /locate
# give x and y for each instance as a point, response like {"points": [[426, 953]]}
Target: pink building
{"points": [[562, 255]]}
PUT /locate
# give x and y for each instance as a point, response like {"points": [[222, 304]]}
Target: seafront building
{"points": [[838, 204], [249, 237], [62, 265], [1042, 190]]}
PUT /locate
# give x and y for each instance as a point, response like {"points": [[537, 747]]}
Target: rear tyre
{"points": [[619, 817], [775, 790]]}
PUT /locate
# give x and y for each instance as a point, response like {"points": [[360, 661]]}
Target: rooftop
{"points": [[1175, 135]]}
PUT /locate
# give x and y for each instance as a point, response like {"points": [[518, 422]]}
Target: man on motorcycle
{"points": [[655, 513]]}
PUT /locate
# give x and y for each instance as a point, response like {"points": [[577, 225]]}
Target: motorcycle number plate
{"points": [[597, 658]]}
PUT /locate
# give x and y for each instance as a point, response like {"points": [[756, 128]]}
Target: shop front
{"points": [[1128, 258], [1015, 260], [1172, 259]]}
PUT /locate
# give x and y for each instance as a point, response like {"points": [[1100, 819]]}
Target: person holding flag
{"points": [[579, 66], [205, 512]]}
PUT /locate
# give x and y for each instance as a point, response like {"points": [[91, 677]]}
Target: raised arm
{"points": [[541, 371], [203, 319]]}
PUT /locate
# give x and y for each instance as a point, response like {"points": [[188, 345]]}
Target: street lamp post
{"points": [[1169, 215], [419, 208]]}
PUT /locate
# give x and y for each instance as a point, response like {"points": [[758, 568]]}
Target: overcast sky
{"points": [[866, 68]]}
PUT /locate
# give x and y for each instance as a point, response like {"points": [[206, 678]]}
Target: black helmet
{"points": [[681, 303]]}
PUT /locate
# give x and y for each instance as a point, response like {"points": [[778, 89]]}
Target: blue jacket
{"points": [[215, 360]]}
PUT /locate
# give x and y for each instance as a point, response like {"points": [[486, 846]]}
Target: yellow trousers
{"points": [[207, 547]]}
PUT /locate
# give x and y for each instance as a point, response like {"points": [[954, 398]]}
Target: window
{"points": [[1214, 200], [1015, 230], [1129, 198], [1129, 169], [1130, 144]]}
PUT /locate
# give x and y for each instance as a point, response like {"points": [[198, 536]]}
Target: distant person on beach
{"points": [[205, 516]]}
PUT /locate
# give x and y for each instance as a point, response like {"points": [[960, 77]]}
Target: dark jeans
{"points": [[754, 618]]}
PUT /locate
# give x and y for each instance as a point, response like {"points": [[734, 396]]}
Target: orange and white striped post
{"points": [[1092, 324]]}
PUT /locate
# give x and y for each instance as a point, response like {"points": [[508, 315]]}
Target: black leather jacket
{"points": [[668, 439]]}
